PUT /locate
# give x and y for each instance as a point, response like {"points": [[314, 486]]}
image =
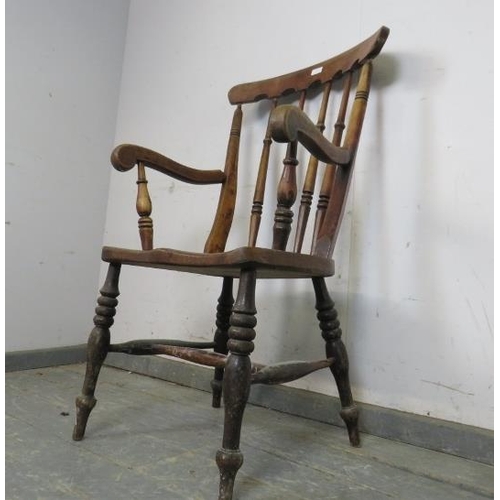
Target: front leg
{"points": [[97, 348], [237, 380]]}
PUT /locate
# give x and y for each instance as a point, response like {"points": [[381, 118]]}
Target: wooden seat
{"points": [[266, 262], [343, 80]]}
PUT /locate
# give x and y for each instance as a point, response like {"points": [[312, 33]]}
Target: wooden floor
{"points": [[149, 439]]}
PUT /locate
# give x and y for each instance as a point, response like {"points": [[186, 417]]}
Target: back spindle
{"points": [[328, 231], [287, 193], [260, 186], [144, 208], [310, 179], [216, 241], [326, 186]]}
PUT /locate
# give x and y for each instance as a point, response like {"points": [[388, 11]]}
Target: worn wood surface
{"points": [[127, 156], [313, 75], [310, 180], [221, 336], [237, 381], [97, 348], [233, 342], [326, 186], [286, 457], [330, 227], [289, 123], [287, 194], [260, 185], [144, 208], [335, 349], [216, 241], [267, 262]]}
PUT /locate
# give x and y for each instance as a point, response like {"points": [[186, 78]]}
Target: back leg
{"points": [[335, 348], [97, 348], [224, 308]]}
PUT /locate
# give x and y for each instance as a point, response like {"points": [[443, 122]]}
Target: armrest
{"points": [[126, 156], [289, 123]]}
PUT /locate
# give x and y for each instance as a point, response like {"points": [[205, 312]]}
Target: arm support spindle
{"points": [[289, 123]]}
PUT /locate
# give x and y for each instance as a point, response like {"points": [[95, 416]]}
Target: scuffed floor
{"points": [[150, 439]]}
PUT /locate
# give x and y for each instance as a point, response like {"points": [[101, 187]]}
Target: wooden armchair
{"points": [[235, 320]]}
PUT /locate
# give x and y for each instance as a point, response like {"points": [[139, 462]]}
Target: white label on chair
{"points": [[316, 71]]}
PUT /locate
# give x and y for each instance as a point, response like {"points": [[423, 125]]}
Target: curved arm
{"points": [[288, 123], [126, 156]]}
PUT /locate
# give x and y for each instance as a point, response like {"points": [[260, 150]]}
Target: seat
{"points": [[343, 80]]}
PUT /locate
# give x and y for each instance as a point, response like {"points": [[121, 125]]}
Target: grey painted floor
{"points": [[149, 439]]}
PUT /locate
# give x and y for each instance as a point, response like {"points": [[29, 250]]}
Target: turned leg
{"points": [[236, 385], [335, 348], [224, 308], [97, 348]]}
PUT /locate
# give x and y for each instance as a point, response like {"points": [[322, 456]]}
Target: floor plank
{"points": [[151, 439]]}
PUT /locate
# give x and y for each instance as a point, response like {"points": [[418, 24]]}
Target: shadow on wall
{"points": [[385, 71], [402, 286]]}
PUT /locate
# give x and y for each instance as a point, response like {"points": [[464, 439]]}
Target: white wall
{"points": [[63, 68], [414, 260], [421, 269]]}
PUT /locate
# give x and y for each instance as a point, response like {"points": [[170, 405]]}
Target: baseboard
{"points": [[461, 440], [426, 432], [40, 358]]}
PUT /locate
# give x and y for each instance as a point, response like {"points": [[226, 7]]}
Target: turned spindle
{"points": [[335, 349], [237, 380], [310, 180], [326, 186], [97, 348], [329, 228], [260, 186], [216, 241], [224, 309], [144, 208], [287, 194]]}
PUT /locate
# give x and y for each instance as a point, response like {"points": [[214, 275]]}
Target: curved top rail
{"points": [[312, 75]]}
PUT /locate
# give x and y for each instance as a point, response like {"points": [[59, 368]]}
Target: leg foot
{"points": [[84, 405], [229, 461], [350, 416]]}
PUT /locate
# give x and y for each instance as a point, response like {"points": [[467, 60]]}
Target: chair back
{"points": [[342, 84]]}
